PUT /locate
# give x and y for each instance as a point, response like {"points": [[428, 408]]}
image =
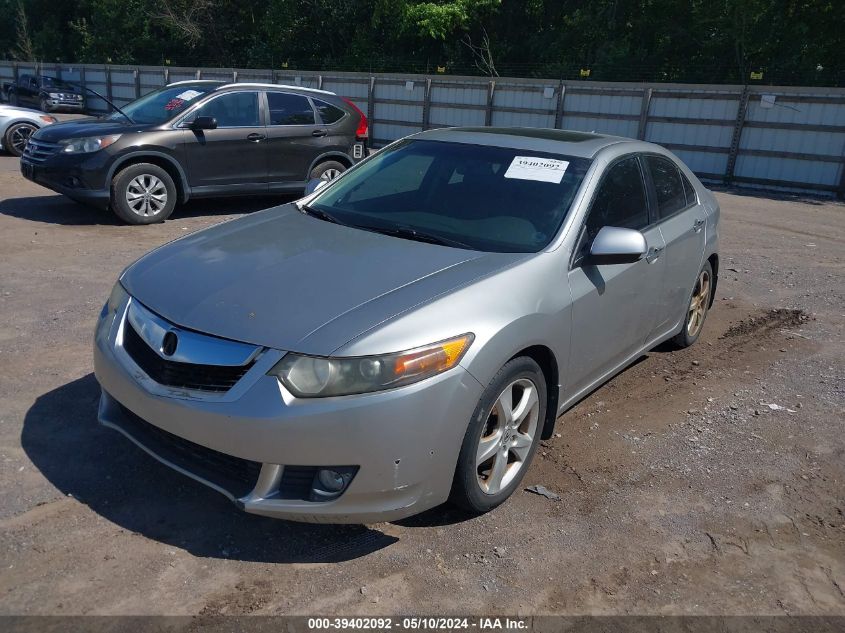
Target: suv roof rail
{"points": [[194, 81], [268, 85]]}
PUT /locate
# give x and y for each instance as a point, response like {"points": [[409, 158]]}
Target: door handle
{"points": [[255, 137], [319, 133], [653, 254], [698, 225]]}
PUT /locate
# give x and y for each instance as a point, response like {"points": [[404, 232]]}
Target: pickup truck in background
{"points": [[47, 93]]}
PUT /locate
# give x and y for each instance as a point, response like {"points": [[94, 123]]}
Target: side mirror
{"points": [[203, 123], [315, 184], [614, 245]]}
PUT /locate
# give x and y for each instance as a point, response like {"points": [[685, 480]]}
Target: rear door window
{"points": [[668, 186], [689, 191], [289, 109]]}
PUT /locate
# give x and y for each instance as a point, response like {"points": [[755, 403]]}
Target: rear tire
{"points": [[13, 98], [501, 438], [143, 194], [697, 308], [328, 170], [17, 136]]}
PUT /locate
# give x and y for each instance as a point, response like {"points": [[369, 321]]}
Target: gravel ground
{"points": [[708, 481]]}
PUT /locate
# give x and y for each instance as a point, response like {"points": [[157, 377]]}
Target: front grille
{"points": [[233, 474], [237, 476], [212, 378], [39, 151]]}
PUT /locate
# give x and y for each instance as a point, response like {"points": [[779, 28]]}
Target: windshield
{"points": [[52, 82], [485, 198], [163, 104]]}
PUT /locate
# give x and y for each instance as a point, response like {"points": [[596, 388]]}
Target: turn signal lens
{"points": [[436, 358], [313, 377]]}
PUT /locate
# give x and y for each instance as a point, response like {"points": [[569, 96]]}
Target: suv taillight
{"points": [[363, 127]]}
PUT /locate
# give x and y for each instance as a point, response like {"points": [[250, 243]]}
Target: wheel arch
{"points": [[547, 361], [714, 264], [167, 163], [322, 158]]}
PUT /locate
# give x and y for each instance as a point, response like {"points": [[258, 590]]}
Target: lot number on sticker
{"points": [[536, 168]]}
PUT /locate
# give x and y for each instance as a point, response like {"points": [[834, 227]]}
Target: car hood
{"points": [[285, 280], [79, 128]]}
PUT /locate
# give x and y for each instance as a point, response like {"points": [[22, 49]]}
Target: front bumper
{"points": [[68, 105], [71, 178], [404, 441]]}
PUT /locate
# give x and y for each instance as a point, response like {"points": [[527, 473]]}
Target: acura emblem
{"points": [[169, 343]]}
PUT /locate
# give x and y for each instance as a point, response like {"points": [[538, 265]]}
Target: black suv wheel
{"points": [[143, 194], [329, 170]]}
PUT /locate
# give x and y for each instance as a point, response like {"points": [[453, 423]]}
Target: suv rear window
{"points": [[328, 113], [288, 109]]}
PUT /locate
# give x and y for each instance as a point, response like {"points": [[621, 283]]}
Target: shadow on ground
{"points": [[123, 484], [56, 209]]}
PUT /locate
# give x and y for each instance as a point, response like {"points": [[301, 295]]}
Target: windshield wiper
{"points": [[409, 233], [318, 213], [97, 94]]}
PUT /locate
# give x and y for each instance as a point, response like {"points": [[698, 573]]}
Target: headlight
{"points": [[315, 377], [55, 95], [118, 294], [88, 144], [107, 314]]}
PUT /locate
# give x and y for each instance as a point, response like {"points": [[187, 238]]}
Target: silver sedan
{"points": [[18, 124], [406, 334]]}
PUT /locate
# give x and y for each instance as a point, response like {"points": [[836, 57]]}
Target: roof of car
{"points": [[567, 142]]}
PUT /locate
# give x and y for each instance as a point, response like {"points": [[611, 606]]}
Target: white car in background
{"points": [[18, 124]]}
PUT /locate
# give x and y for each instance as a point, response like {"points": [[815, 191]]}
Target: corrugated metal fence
{"points": [[788, 138]]}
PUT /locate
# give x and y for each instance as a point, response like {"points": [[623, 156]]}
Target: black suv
{"points": [[194, 139]]}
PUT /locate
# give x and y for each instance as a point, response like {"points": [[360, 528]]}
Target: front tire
{"points": [[45, 107], [17, 136], [502, 437], [697, 308], [329, 170], [143, 194]]}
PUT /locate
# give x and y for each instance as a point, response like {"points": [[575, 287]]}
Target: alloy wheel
{"points": [[508, 435], [146, 195], [698, 304], [20, 137], [330, 174]]}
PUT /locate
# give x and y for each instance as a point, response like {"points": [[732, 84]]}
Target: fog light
{"points": [[331, 482]]}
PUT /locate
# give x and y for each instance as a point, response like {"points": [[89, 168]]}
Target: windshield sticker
{"points": [[188, 95], [536, 168], [174, 104]]}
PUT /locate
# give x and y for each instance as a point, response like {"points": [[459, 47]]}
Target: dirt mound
{"points": [[766, 323]]}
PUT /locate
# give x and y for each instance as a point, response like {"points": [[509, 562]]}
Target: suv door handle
{"points": [[255, 137], [698, 225], [319, 133], [653, 254]]}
